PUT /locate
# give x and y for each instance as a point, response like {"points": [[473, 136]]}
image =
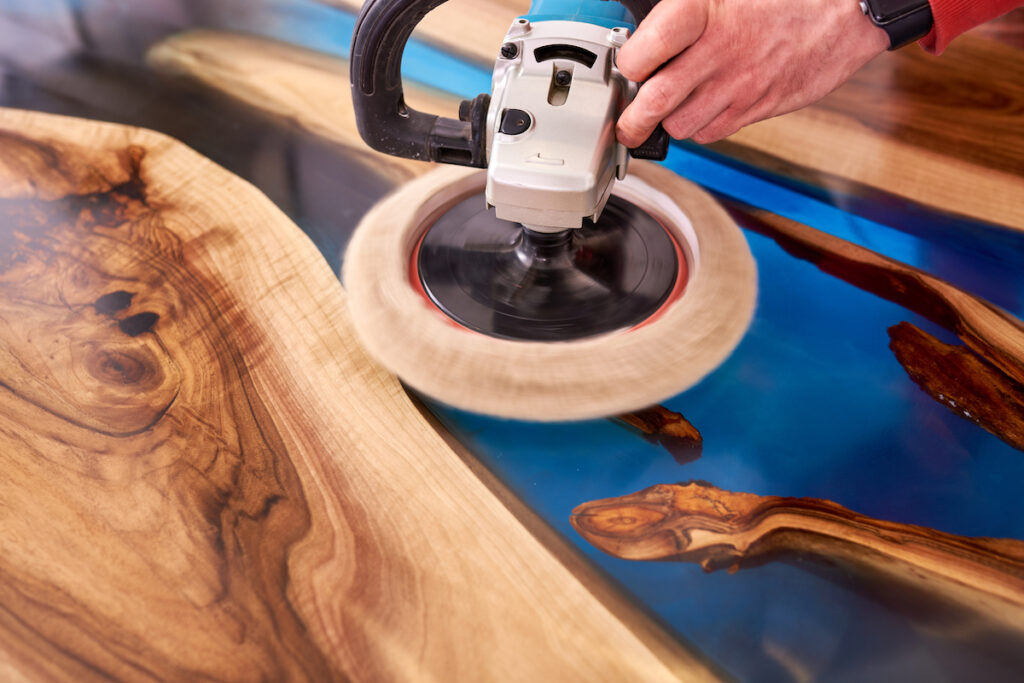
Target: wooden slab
{"points": [[201, 474]]}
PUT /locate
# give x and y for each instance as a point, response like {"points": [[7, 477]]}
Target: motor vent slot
{"points": [[558, 51]]}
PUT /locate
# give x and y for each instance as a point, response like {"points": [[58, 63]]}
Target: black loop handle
{"points": [[385, 122]]}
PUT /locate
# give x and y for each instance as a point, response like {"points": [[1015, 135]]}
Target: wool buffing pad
{"points": [[613, 373]]}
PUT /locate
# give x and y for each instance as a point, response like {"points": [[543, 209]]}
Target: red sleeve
{"points": [[953, 17]]}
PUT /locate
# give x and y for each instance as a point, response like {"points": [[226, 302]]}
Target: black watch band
{"points": [[904, 20]]}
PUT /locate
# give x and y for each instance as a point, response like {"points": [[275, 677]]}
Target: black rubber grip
{"points": [[655, 147], [384, 121]]}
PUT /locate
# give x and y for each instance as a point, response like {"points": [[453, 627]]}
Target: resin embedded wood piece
{"points": [[698, 522], [989, 331], [960, 380], [200, 469], [669, 429]]}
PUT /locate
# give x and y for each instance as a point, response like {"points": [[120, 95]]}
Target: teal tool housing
{"points": [[605, 13]]}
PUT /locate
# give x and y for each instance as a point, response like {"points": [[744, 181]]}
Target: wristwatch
{"points": [[904, 20]]}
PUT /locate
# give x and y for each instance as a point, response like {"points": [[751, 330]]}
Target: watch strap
{"points": [[904, 26]]}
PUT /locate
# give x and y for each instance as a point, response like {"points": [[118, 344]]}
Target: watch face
{"points": [[888, 10]]}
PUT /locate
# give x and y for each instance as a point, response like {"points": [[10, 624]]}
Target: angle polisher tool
{"points": [[554, 253]]}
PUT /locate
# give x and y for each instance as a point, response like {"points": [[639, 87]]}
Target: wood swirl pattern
{"points": [[698, 522], [203, 477]]}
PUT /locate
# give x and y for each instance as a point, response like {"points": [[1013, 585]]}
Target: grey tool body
{"points": [[551, 147]]}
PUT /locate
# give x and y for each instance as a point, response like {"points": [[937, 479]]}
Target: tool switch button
{"points": [[515, 121]]}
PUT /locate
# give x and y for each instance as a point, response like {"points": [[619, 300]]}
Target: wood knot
{"points": [[121, 366], [135, 325], [112, 302], [619, 520]]}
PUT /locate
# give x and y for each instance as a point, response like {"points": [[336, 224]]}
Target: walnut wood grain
{"points": [[941, 132], [963, 382], [987, 330], [202, 476], [668, 429], [698, 522], [308, 89]]}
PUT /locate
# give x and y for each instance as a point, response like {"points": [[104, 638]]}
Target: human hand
{"points": [[728, 63]]}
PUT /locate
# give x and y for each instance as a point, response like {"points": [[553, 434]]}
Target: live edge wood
{"points": [[989, 331], [698, 522], [203, 477], [962, 381], [983, 383]]}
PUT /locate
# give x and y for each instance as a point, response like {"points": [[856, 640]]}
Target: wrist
{"points": [[869, 39]]}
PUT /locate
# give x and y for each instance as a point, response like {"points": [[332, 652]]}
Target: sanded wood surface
{"points": [[307, 88], [203, 476], [698, 522], [942, 132]]}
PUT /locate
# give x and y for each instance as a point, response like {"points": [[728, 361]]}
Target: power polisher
{"points": [[561, 283], [549, 254]]}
